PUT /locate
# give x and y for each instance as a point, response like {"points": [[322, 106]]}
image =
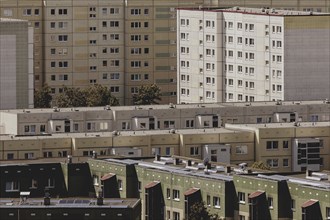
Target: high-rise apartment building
{"points": [[16, 64], [120, 44], [248, 54]]}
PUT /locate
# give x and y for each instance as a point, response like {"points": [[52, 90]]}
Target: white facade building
{"points": [[245, 54]]}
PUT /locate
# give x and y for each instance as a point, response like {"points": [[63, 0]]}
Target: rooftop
{"points": [[259, 11], [278, 125], [65, 202], [166, 107]]}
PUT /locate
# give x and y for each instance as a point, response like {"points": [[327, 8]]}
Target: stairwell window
{"points": [[176, 195]]}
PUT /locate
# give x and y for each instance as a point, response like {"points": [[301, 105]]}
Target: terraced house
{"points": [[169, 186]]}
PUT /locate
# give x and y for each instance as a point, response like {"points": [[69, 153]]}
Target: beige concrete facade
{"points": [[244, 143], [16, 64], [157, 117], [121, 45]]}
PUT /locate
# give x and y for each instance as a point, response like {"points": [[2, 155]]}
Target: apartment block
{"points": [[247, 54], [157, 117], [164, 188], [283, 147], [120, 44], [16, 64]]}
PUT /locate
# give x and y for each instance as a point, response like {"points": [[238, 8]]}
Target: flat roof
{"points": [[165, 107], [69, 203], [279, 125], [258, 11], [12, 20], [119, 133]]}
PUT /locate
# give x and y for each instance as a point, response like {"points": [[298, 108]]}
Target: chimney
{"points": [[189, 163], [100, 198], [228, 170], [47, 197], [176, 161], [208, 166], [157, 157], [308, 172]]}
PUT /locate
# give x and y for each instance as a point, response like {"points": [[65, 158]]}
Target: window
{"points": [[126, 125], [169, 124], [135, 77], [293, 204], [114, 63], [114, 89], [241, 197], [50, 182], [230, 25], [34, 184], [135, 64], [96, 180], [272, 163], [216, 202], [270, 202], [208, 200], [114, 10], [285, 162], [62, 38], [189, 123], [48, 154], [12, 186], [120, 184], [29, 155], [241, 149], [327, 212], [63, 11], [239, 40], [62, 25], [239, 26], [10, 156], [8, 12], [135, 24], [167, 151], [272, 145], [194, 151], [63, 64], [135, 11], [168, 193], [176, 194], [114, 23], [27, 12], [176, 215]]}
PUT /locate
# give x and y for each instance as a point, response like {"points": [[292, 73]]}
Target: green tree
{"points": [[71, 97], [198, 211], [147, 95], [43, 97], [260, 165], [98, 95]]}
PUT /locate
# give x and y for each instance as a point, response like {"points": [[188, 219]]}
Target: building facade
{"points": [[121, 45], [158, 117], [282, 147], [16, 64], [164, 188], [245, 55]]}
